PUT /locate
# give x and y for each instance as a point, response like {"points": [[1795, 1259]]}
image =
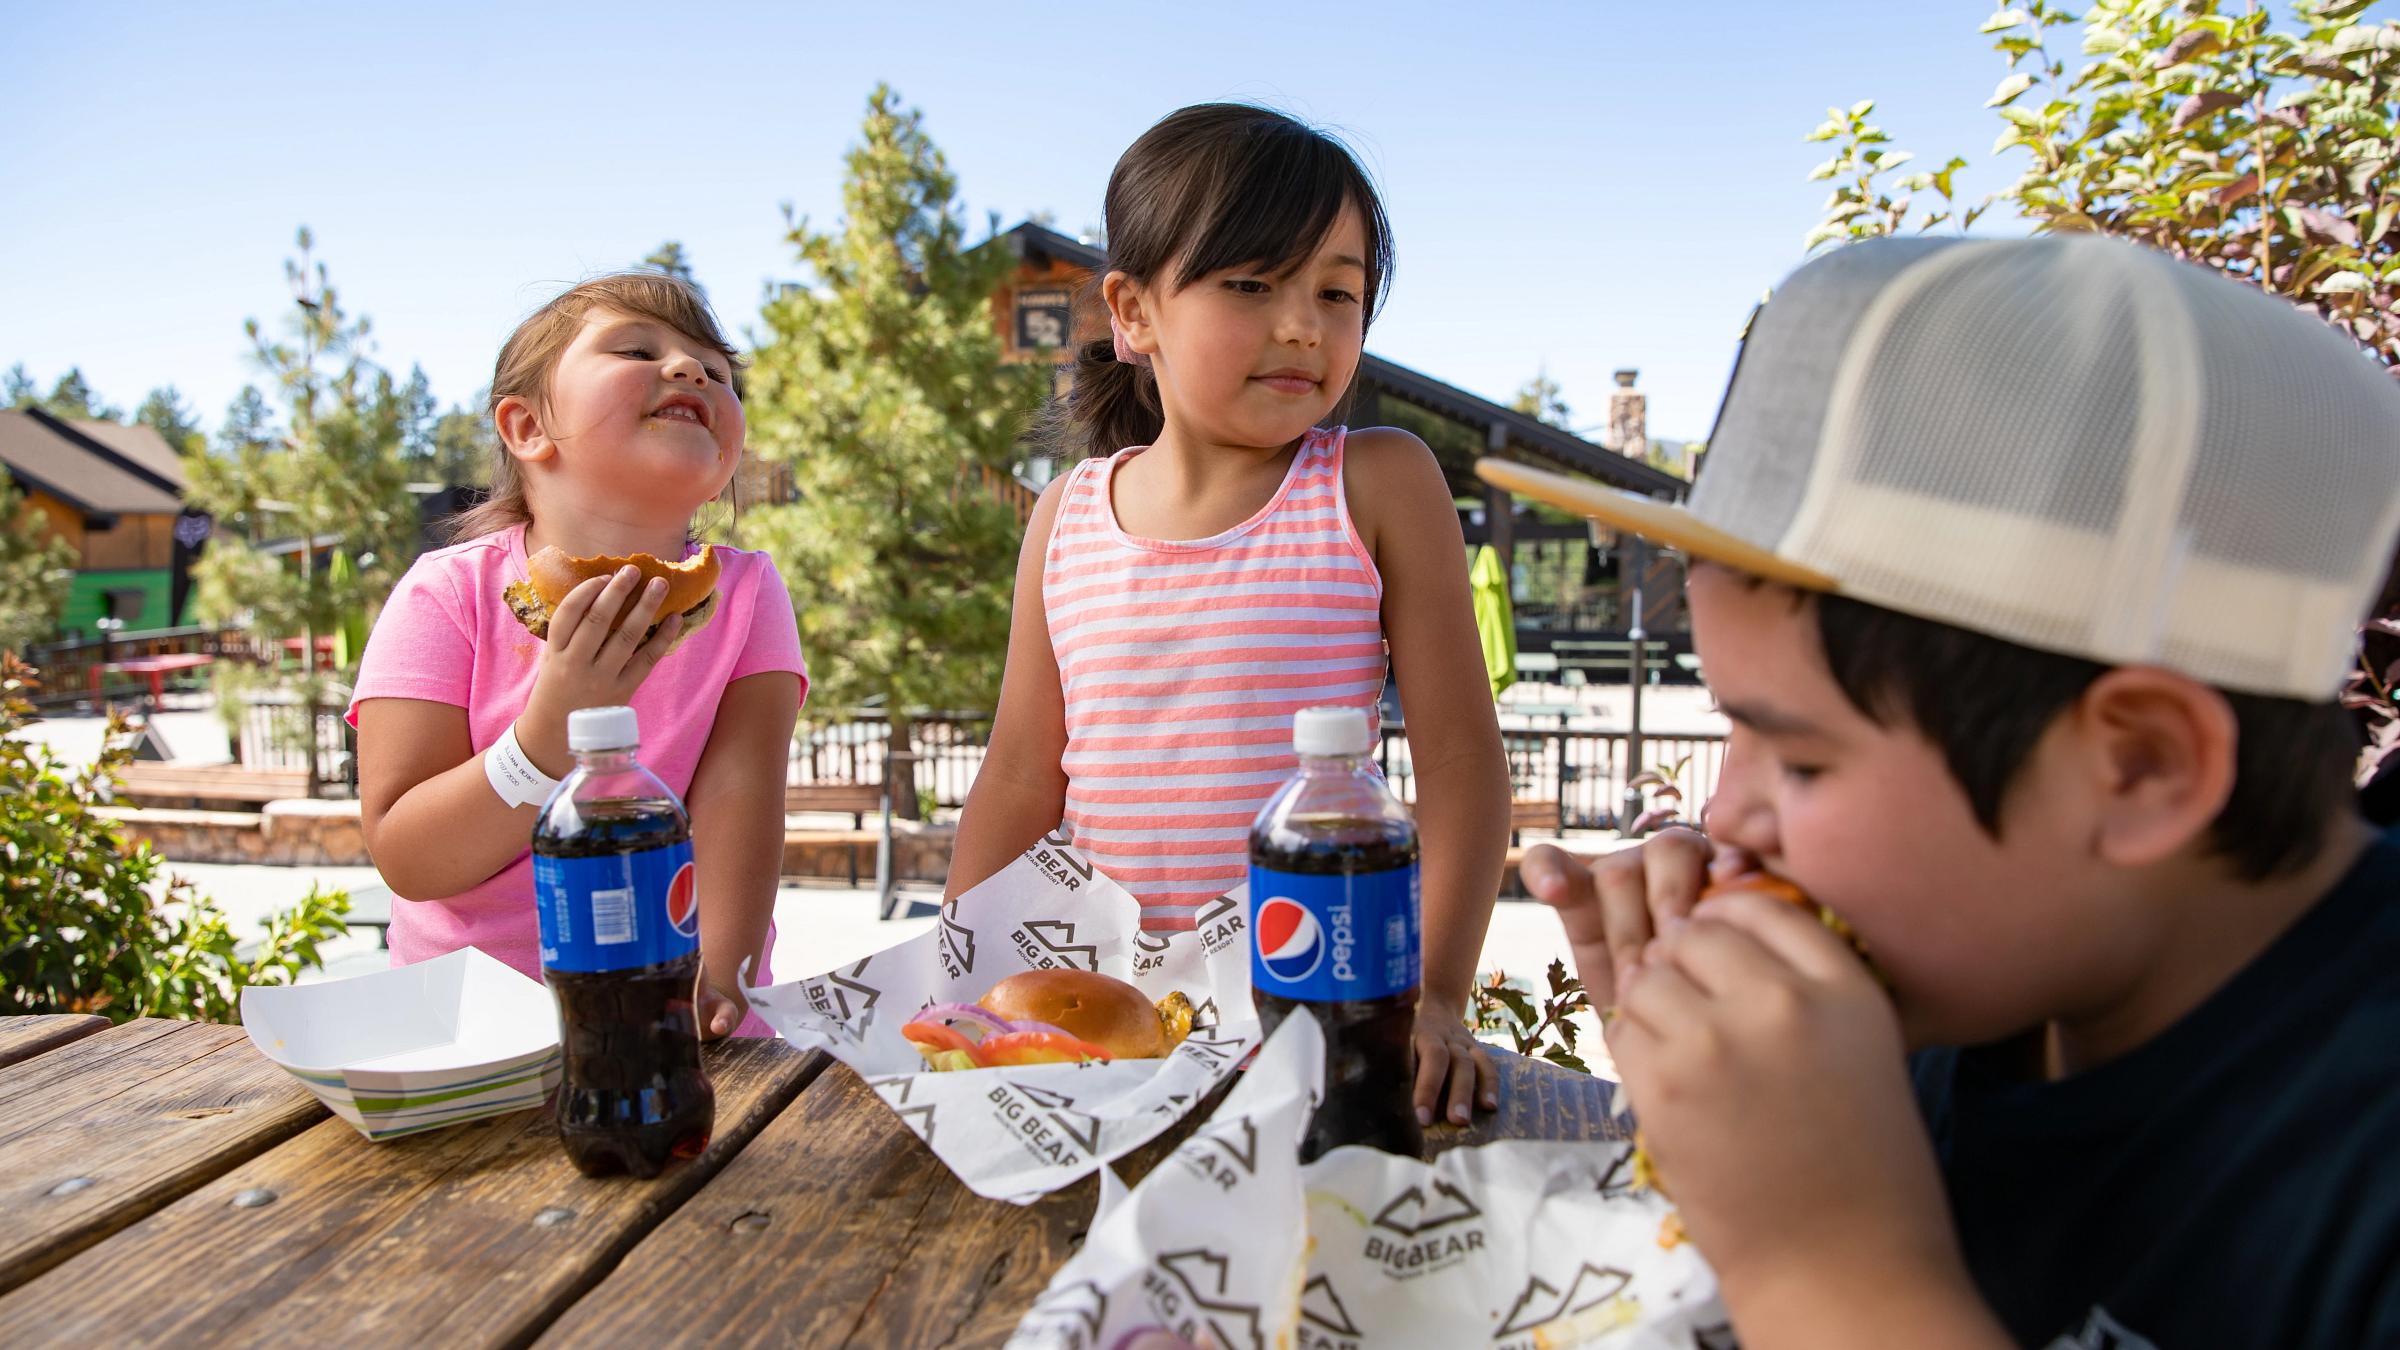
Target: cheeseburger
{"points": [[551, 573]]}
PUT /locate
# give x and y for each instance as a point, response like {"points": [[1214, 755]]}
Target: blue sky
{"points": [[1576, 186]]}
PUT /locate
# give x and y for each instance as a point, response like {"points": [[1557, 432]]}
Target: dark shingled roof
{"points": [[41, 453]]}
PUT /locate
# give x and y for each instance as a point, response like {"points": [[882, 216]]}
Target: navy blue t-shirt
{"points": [[2234, 1182]]}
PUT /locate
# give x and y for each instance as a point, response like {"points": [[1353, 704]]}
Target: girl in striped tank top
{"points": [[1223, 559]]}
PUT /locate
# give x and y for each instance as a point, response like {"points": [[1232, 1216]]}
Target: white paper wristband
{"points": [[512, 775]]}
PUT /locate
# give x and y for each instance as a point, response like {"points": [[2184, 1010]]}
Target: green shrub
{"points": [[79, 929]]}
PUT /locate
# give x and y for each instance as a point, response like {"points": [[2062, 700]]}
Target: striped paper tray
{"points": [[413, 1048]]}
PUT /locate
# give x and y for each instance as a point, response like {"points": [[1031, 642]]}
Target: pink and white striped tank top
{"points": [[1182, 663]]}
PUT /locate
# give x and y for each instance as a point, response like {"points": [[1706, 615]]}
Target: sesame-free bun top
{"points": [[1107, 1012], [689, 582]]}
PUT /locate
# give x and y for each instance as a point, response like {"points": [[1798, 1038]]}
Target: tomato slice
{"points": [[1038, 1047], [940, 1036]]}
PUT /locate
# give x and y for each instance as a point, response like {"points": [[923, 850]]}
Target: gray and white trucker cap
{"points": [[2073, 443]]}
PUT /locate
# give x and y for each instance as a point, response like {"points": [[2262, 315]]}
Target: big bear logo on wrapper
{"points": [[1072, 1315], [956, 949], [1187, 1291], [1430, 1233], [1224, 1156], [1542, 1305], [1057, 859], [1049, 944], [1220, 926], [846, 999], [917, 1116], [1045, 1123], [1325, 1323]]}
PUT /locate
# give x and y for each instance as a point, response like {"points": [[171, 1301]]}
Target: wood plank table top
{"points": [[160, 1182]]}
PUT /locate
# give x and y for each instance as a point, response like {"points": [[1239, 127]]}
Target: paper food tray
{"points": [[456, 1038]]}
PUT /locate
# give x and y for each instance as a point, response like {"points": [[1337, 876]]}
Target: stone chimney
{"points": [[1628, 418]]}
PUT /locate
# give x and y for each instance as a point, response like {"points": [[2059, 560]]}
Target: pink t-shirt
{"points": [[446, 636]]}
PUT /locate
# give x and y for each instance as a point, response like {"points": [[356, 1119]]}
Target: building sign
{"points": [[1044, 319]]}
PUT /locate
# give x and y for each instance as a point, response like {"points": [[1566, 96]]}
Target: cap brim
{"points": [[1659, 522]]}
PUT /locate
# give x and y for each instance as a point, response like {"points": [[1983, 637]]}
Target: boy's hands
{"points": [[589, 666], [1767, 1068], [1613, 905]]}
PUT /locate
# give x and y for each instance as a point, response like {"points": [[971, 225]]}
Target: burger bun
{"points": [[1093, 1007]]}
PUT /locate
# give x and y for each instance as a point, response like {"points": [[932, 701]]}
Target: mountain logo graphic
{"points": [[848, 998], [958, 940], [1411, 1212], [1202, 1275], [1079, 1309], [1082, 1127], [1320, 1305], [1057, 937], [1541, 1303]]}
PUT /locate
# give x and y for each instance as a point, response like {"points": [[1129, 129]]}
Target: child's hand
{"points": [[1767, 1069], [1447, 1050], [720, 1010], [1611, 906], [589, 666]]}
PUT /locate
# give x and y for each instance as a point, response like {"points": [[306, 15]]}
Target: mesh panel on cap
{"points": [[1765, 441], [2083, 446]]}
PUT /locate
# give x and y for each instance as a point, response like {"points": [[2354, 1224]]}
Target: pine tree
{"points": [[163, 412], [417, 412], [35, 566], [669, 258], [73, 398], [463, 445], [336, 473], [882, 387]]}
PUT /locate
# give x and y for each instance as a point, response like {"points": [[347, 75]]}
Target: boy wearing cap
{"points": [[2026, 573]]}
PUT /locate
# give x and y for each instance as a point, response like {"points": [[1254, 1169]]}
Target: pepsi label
{"points": [[617, 911], [1331, 938]]}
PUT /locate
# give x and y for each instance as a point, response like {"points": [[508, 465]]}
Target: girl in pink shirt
{"points": [[617, 418]]}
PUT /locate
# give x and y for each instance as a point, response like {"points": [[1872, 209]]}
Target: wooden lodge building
{"points": [[115, 494]]}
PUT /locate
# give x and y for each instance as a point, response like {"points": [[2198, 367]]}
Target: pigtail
{"points": [[1112, 405]]}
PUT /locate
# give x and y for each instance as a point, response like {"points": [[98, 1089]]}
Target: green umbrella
{"points": [[1493, 621], [350, 633]]}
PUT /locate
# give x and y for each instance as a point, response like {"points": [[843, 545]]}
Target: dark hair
{"points": [[1984, 702], [1212, 186]]}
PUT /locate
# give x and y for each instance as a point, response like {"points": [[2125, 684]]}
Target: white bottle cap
{"points": [[603, 729], [1331, 731]]}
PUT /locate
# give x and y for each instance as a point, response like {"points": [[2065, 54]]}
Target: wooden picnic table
{"points": [[162, 1182], [154, 669]]}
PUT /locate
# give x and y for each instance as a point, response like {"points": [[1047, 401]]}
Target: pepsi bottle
{"points": [[1336, 932], [612, 876]]}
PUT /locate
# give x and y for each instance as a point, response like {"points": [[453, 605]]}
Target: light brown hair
{"points": [[531, 354]]}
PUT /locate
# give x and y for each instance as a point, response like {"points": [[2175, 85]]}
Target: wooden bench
{"points": [[859, 799], [1611, 654], [1524, 814], [171, 784]]}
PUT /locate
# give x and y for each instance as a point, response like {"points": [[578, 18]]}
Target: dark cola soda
{"points": [[1336, 931], [613, 881]]}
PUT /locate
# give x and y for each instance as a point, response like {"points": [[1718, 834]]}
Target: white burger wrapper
{"points": [[1232, 1243], [1017, 1134]]}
